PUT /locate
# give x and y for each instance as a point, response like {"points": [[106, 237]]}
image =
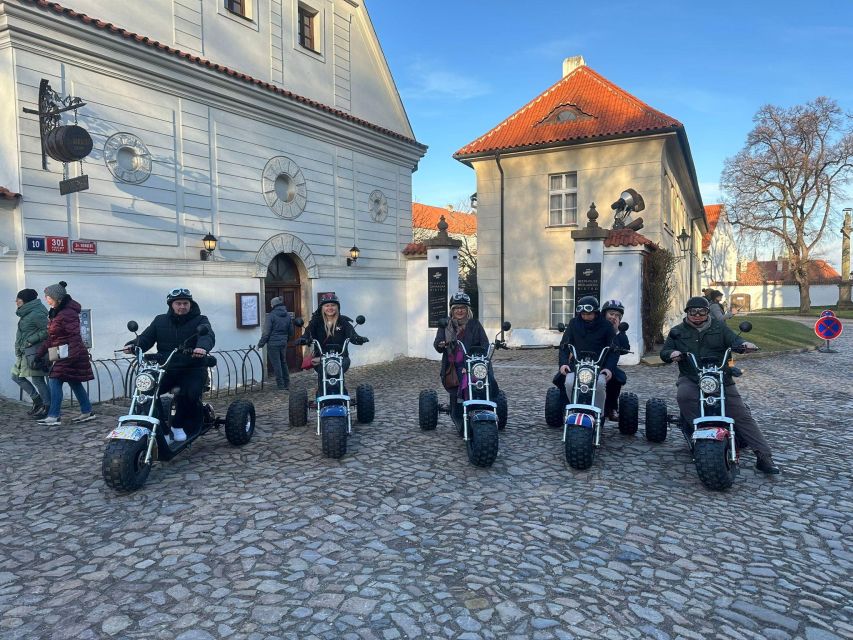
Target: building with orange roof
{"points": [[582, 140], [719, 247]]}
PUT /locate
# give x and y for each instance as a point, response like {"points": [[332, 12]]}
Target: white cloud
{"points": [[426, 81]]}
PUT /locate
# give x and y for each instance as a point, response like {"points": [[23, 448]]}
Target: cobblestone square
{"points": [[403, 538]]}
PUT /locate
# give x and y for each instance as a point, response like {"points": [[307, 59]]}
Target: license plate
{"points": [[128, 432], [709, 434]]}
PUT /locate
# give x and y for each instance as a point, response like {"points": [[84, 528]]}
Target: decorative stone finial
{"points": [[592, 214], [442, 239]]}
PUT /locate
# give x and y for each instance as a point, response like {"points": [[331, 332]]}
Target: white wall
{"points": [[773, 296], [621, 279]]}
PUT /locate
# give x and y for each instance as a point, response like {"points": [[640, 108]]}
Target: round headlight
{"points": [[709, 384], [479, 371], [585, 376], [145, 382], [333, 368]]}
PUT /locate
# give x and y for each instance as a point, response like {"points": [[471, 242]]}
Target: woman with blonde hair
{"points": [[331, 329]]}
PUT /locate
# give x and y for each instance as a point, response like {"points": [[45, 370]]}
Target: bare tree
{"points": [[782, 183]]}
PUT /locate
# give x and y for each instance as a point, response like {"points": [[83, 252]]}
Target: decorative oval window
{"points": [[284, 187], [127, 158], [377, 204]]}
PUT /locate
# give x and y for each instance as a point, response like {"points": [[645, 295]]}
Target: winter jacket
{"points": [[169, 330], [473, 336], [63, 327], [278, 328], [317, 331], [718, 314], [590, 337], [710, 343], [622, 343], [32, 330]]}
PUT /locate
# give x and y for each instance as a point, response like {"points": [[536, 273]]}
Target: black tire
{"points": [[124, 467], [333, 436], [428, 409], [240, 422], [553, 408], [656, 420], [297, 408], [365, 408], [629, 413], [580, 447], [502, 410], [715, 469], [482, 443]]}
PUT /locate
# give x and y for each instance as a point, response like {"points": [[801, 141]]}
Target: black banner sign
{"points": [[436, 294], [588, 280], [80, 183]]}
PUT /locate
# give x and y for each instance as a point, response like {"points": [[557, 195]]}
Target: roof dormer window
{"points": [[564, 113]]}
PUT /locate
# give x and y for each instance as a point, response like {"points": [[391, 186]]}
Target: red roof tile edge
{"points": [[202, 62], [627, 238], [8, 195], [415, 249]]}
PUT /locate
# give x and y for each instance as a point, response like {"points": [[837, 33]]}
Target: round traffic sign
{"points": [[828, 327], [828, 312]]}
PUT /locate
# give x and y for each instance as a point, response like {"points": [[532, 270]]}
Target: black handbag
{"points": [[34, 361]]}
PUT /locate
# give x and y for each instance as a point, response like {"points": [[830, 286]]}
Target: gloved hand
{"points": [[357, 340]]}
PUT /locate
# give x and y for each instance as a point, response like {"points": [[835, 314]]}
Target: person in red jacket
{"points": [[73, 366]]}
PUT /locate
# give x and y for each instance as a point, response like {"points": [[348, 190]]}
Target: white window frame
{"points": [[567, 298], [248, 20], [562, 192]]}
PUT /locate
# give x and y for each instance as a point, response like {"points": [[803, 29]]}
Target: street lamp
{"points": [[353, 253], [683, 241]]}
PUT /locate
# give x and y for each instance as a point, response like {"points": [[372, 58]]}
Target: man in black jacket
{"points": [[175, 328], [705, 337], [278, 330], [588, 331]]}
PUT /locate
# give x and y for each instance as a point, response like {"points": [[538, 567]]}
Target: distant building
{"points": [[582, 140], [719, 248], [769, 284]]}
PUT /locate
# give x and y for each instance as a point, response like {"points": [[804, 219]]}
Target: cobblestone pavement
{"points": [[403, 538]]}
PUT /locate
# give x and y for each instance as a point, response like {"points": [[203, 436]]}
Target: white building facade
{"points": [[273, 125]]}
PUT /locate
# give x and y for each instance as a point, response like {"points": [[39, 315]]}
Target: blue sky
{"points": [[462, 66]]}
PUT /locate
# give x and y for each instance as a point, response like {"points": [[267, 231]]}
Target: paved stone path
{"points": [[403, 538]]}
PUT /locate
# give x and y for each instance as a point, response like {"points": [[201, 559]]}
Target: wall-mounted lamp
{"points": [[209, 242], [683, 240], [353, 256], [474, 201], [706, 264]]}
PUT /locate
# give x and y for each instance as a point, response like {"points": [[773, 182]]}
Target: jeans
{"points": [[77, 389], [277, 353], [598, 401], [35, 389]]}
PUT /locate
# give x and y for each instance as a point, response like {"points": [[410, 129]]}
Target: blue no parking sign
{"points": [[828, 327]]}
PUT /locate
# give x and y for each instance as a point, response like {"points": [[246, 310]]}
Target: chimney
{"points": [[570, 64]]}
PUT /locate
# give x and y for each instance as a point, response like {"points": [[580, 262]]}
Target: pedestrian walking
{"points": [[64, 347], [278, 330], [28, 372]]}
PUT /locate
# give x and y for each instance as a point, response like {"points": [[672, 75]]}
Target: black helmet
{"points": [[329, 298], [178, 294], [613, 305], [460, 298], [587, 304], [697, 302]]}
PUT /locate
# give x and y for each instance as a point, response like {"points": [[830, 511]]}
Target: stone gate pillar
{"points": [[844, 287]]}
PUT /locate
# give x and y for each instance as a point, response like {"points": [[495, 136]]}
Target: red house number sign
{"points": [[56, 244]]}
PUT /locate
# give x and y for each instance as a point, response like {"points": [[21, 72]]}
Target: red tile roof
{"points": [[202, 62], [712, 215], [425, 216], [764, 271], [581, 106], [627, 238], [415, 249], [5, 194]]}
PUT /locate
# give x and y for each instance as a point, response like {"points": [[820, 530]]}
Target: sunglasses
{"points": [[179, 292], [697, 312], [585, 308]]}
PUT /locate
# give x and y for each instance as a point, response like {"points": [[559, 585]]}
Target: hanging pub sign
{"points": [[588, 280], [436, 295], [63, 142]]}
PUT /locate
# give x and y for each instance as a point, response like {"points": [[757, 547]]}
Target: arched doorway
{"points": [[282, 280]]}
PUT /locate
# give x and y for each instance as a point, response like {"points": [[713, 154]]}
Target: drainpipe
{"points": [[498, 162]]}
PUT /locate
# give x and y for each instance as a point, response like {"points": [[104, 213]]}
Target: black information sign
{"points": [[436, 294], [80, 183], [588, 280]]}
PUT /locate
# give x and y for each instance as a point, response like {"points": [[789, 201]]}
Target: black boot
{"points": [[41, 413], [37, 405], [765, 464]]}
